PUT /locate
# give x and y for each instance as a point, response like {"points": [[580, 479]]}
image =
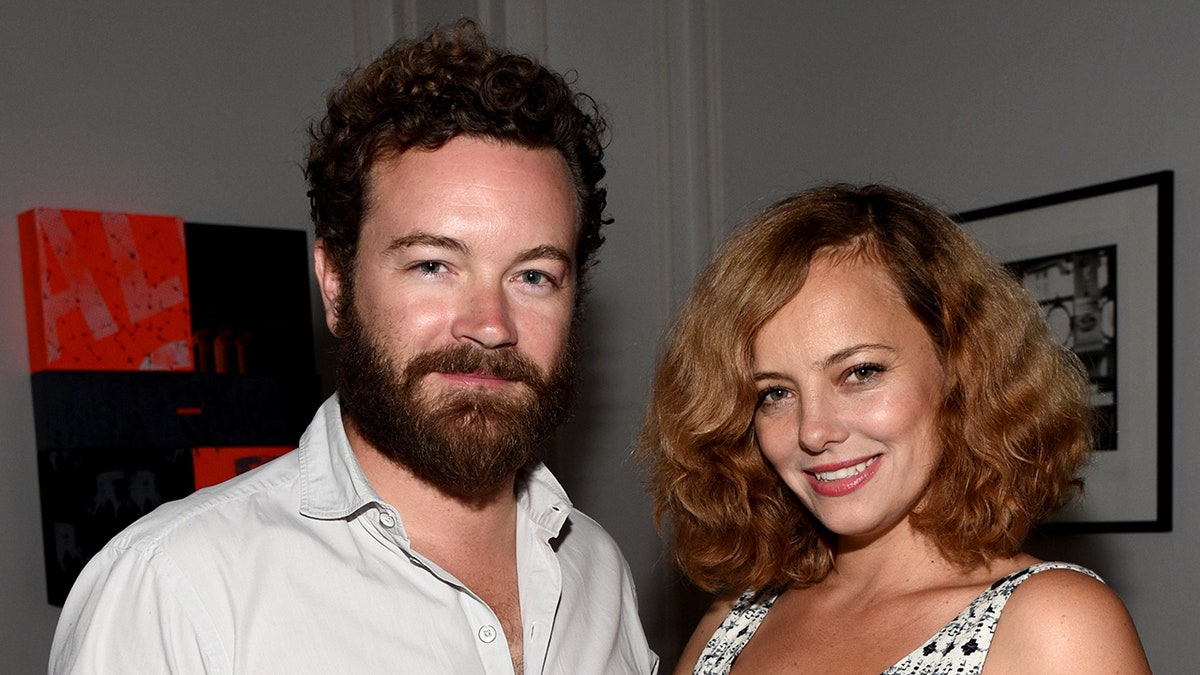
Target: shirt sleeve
{"points": [[132, 611]]}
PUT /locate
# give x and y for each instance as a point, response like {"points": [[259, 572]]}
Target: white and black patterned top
{"points": [[959, 648]]}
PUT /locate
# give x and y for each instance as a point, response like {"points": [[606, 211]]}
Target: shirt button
{"points": [[487, 633], [387, 520]]}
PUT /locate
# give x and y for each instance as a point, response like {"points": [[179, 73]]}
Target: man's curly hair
{"points": [[422, 94]]}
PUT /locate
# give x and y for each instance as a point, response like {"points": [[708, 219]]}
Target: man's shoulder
{"points": [[238, 503], [586, 531], [584, 544]]}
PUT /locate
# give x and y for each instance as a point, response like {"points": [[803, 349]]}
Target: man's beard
{"points": [[466, 442]]}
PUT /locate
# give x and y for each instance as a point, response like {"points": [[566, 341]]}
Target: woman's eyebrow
{"points": [[843, 354]]}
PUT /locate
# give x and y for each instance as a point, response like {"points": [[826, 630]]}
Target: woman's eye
{"points": [[863, 373], [771, 395]]}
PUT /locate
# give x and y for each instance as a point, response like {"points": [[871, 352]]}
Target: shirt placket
{"points": [[489, 639]]}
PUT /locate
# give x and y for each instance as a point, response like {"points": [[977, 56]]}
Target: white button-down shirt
{"points": [[300, 567]]}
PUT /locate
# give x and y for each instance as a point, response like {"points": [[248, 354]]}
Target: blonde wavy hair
{"points": [[1015, 423]]}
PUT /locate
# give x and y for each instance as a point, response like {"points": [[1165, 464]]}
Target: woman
{"points": [[858, 419]]}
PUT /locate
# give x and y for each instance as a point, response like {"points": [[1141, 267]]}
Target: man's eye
{"points": [[429, 267], [535, 277]]}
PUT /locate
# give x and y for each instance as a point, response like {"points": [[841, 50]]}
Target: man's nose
{"points": [[484, 317]]}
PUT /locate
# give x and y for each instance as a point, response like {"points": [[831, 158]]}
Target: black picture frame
{"points": [[1099, 259]]}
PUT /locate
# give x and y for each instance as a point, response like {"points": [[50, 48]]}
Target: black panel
{"points": [[81, 410], [248, 289], [89, 496]]}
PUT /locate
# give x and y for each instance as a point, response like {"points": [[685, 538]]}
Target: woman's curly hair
{"points": [[1015, 423], [424, 93]]}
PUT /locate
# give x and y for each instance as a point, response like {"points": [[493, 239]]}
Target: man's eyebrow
{"points": [[427, 239], [543, 252]]}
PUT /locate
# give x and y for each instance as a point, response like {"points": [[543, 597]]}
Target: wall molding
{"points": [[687, 87], [688, 120], [519, 25], [377, 24]]}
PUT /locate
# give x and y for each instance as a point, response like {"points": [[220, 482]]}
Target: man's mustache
{"points": [[505, 364]]}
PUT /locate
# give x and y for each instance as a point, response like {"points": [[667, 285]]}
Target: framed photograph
{"points": [[1098, 260]]}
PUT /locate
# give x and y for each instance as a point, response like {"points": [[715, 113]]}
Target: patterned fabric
{"points": [[735, 631], [960, 647]]}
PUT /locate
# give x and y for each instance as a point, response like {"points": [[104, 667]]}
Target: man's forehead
{"points": [[472, 187]]}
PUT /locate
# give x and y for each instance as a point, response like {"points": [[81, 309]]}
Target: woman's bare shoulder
{"points": [[707, 625], [1062, 620]]}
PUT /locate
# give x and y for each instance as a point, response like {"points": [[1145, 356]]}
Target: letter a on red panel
{"points": [[105, 291]]}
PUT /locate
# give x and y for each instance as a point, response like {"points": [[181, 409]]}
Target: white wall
{"points": [[195, 109], [979, 103], [198, 109]]}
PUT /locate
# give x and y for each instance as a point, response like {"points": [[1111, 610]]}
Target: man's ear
{"points": [[330, 282]]}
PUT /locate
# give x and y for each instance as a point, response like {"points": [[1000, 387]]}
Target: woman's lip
{"points": [[829, 486], [838, 466]]}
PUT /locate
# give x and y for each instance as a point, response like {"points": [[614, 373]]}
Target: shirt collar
{"points": [[332, 483], [544, 501], [334, 486]]}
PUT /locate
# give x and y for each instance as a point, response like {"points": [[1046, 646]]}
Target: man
{"points": [[455, 195]]}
